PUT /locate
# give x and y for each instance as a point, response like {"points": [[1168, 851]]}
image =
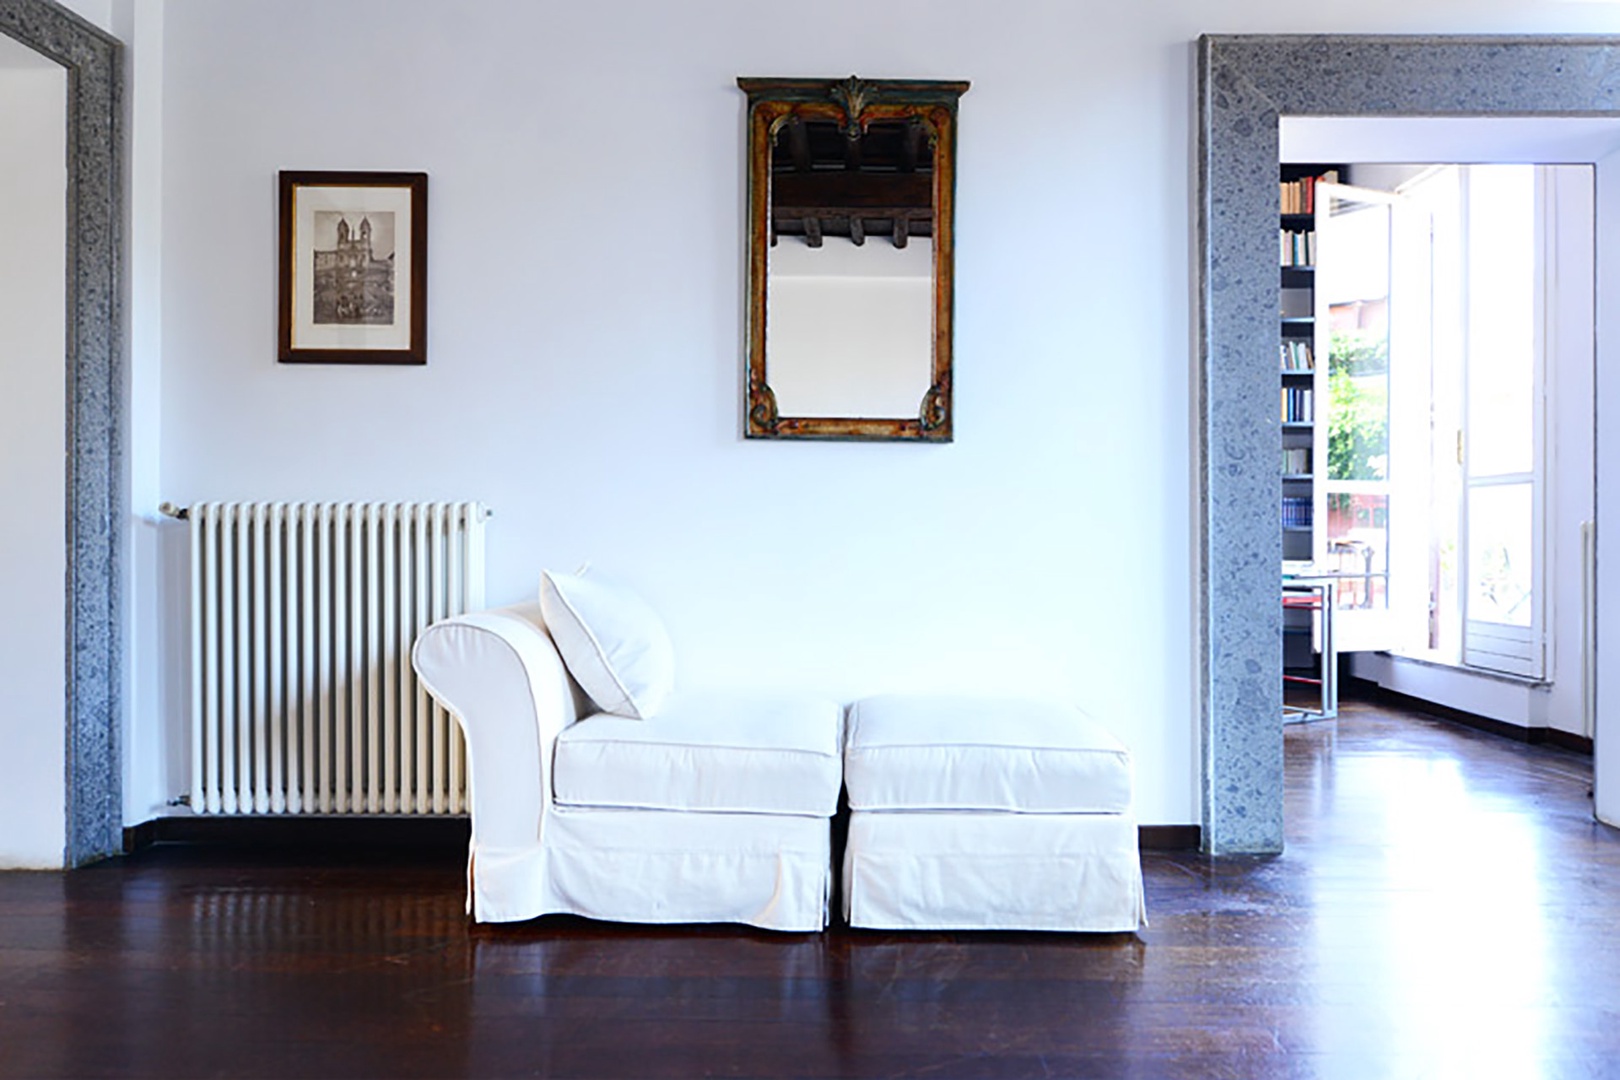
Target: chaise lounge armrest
{"points": [[500, 676]]}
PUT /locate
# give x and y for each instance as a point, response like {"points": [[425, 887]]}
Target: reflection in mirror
{"points": [[872, 360], [850, 249]]}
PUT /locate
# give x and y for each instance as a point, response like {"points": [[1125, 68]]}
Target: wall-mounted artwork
{"points": [[353, 268]]}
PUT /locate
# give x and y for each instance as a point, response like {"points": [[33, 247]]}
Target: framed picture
{"points": [[353, 281]]}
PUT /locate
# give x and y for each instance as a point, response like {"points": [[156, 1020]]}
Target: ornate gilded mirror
{"points": [[851, 188]]}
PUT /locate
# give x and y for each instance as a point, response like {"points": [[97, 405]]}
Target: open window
{"points": [[1432, 308], [1372, 326]]}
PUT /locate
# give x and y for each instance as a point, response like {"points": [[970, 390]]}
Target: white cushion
{"points": [[732, 753], [952, 753], [613, 644]]}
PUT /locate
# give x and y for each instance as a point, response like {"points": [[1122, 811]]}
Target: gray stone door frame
{"points": [[96, 502], [1245, 83]]}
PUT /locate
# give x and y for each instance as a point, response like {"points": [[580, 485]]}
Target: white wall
{"points": [[33, 222], [585, 324], [1606, 765], [100, 13], [153, 757], [1571, 461]]}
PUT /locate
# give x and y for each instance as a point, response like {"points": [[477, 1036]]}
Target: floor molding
{"points": [[1368, 690], [424, 833], [308, 832], [1169, 837]]}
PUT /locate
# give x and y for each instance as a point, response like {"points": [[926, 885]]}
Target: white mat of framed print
{"points": [[353, 274]]}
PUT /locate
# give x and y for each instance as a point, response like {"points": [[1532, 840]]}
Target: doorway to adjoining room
{"points": [[1450, 463]]}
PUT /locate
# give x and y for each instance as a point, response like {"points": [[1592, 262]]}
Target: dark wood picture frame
{"points": [[320, 321], [853, 104]]}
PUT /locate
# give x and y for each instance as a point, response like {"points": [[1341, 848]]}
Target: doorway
{"points": [[95, 512], [1246, 84], [1483, 523], [33, 197]]}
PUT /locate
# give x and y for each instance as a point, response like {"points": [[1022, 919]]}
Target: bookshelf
{"points": [[1302, 380]]}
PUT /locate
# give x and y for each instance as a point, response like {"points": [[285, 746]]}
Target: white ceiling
{"points": [[1450, 140]]}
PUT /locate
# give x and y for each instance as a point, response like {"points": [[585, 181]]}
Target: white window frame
{"points": [[1376, 628], [1493, 646]]}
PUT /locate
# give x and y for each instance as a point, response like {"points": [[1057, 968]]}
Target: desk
{"points": [[1314, 597]]}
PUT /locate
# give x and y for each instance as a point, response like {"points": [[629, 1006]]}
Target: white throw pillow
{"points": [[613, 643]]}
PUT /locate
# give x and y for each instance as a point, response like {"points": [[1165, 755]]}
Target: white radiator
{"points": [[302, 619]]}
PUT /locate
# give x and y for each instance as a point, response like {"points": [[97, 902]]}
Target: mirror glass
{"points": [[850, 211]]}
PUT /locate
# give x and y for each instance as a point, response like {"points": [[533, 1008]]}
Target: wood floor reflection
{"points": [[1446, 907]]}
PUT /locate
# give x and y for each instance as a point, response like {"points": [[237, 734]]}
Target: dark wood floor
{"points": [[1446, 908]]}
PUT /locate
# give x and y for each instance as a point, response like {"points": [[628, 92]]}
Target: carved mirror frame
{"points": [[853, 104]]}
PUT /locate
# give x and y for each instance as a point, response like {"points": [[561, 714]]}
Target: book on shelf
{"points": [[1296, 461], [1297, 404], [1297, 247], [1296, 512], [1299, 196], [1298, 355]]}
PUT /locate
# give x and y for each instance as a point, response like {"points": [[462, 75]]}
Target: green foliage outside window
{"points": [[1358, 386]]}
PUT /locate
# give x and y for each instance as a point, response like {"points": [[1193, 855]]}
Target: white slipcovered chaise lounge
{"points": [[596, 790], [711, 808]]}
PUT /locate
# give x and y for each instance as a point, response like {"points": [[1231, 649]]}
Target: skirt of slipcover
{"points": [[949, 870], [766, 870]]}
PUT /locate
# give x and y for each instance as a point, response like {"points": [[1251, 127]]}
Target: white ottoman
{"points": [[987, 814]]}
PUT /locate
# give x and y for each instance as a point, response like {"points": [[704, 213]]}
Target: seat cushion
{"points": [[708, 752], [912, 752]]}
